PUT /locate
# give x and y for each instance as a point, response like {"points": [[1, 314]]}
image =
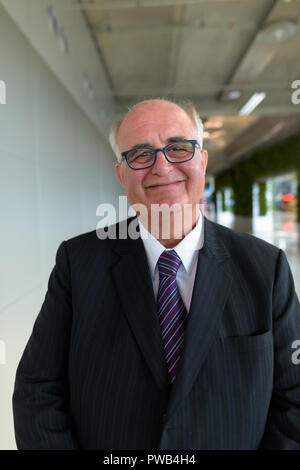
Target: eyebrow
{"points": [[169, 140]]}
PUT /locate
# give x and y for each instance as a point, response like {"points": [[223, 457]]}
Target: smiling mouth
{"points": [[165, 184]]}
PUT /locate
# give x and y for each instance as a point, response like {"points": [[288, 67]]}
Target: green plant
{"points": [[262, 188], [263, 163]]}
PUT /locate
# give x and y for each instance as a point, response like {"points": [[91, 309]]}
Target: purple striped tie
{"points": [[171, 310]]}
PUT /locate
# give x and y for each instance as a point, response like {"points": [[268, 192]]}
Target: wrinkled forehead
{"points": [[150, 123]]}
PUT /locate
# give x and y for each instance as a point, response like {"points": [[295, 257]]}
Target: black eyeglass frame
{"points": [[163, 150]]}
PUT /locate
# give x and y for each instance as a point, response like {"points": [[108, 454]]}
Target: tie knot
{"points": [[168, 263]]}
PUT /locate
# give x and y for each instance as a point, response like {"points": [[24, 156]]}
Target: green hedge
{"points": [[224, 208], [298, 195], [262, 198], [263, 163]]}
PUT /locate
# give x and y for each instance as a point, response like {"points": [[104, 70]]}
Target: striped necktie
{"points": [[171, 310]]}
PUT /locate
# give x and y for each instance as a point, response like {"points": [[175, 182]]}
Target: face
{"points": [[155, 123]]}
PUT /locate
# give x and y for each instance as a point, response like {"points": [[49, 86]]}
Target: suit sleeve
{"points": [[283, 423], [40, 399]]}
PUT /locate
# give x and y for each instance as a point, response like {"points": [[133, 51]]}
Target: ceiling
{"points": [[203, 50]]}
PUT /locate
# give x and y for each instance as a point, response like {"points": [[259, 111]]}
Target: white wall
{"points": [[55, 169], [82, 59]]}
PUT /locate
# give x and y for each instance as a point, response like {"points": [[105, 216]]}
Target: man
{"points": [[155, 342]]}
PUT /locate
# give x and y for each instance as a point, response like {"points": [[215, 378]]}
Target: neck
{"points": [[170, 227]]}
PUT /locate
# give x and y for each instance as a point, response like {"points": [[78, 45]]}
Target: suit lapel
{"points": [[211, 288], [133, 283], [134, 287]]}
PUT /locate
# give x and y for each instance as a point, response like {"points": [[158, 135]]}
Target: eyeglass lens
{"points": [[177, 152]]}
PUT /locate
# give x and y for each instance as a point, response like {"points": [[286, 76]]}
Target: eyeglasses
{"points": [[140, 158]]}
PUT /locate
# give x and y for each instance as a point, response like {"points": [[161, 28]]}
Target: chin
{"points": [[169, 202]]}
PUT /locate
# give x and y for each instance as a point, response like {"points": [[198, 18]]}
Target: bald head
{"points": [[154, 125], [149, 113]]}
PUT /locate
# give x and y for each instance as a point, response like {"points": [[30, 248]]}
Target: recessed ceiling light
{"points": [[277, 31], [234, 94], [252, 103]]}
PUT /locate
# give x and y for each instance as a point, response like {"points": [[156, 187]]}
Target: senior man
{"points": [[182, 341]]}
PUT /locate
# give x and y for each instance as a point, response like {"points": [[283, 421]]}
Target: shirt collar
{"points": [[187, 249]]}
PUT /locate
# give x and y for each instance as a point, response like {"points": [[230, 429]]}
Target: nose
{"points": [[161, 165]]}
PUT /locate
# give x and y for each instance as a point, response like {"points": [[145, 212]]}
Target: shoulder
{"points": [[242, 244], [100, 239]]}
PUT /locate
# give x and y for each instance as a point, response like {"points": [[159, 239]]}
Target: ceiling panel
{"points": [[203, 50], [136, 61]]}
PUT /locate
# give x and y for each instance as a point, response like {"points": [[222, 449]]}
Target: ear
{"points": [[119, 172], [204, 160]]}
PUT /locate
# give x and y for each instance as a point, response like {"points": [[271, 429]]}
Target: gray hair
{"points": [[187, 106]]}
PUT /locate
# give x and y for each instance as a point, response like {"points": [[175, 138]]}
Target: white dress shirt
{"points": [[188, 251]]}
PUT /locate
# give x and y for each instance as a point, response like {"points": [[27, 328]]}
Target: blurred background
{"points": [[69, 67]]}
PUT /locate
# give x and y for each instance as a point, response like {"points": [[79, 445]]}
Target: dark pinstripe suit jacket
{"points": [[93, 374]]}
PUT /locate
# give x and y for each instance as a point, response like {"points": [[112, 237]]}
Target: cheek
{"points": [[134, 183], [195, 180], [194, 174]]}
